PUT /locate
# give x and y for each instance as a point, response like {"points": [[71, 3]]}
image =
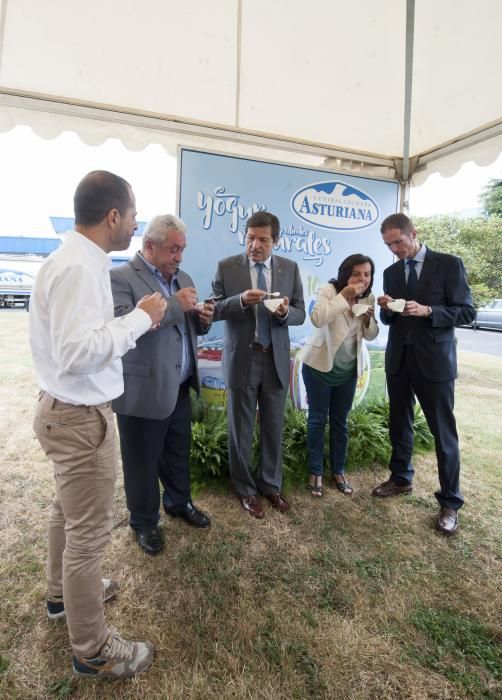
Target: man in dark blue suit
{"points": [[421, 359]]}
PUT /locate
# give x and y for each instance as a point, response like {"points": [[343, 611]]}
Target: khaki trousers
{"points": [[80, 441]]}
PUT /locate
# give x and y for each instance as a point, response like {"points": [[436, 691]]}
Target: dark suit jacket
{"points": [[442, 286], [233, 278], [152, 368]]}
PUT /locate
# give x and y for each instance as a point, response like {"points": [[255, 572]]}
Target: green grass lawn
{"points": [[341, 598]]}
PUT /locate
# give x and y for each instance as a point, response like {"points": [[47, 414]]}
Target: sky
{"points": [[38, 178], [459, 193]]}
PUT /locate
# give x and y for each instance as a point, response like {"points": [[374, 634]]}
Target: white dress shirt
{"points": [[267, 273], [75, 340], [419, 259]]}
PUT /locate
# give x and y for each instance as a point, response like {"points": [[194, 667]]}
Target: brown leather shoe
{"points": [[278, 502], [252, 505], [447, 522], [391, 488]]}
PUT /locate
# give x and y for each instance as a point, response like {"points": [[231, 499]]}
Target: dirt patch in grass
{"points": [[341, 598]]}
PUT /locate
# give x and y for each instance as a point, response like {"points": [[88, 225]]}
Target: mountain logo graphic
{"points": [[335, 205]]}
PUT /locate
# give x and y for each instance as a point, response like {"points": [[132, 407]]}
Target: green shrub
{"points": [[209, 449], [199, 408], [368, 435], [368, 441], [294, 446]]}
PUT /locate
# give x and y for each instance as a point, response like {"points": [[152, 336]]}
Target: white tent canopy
{"points": [[393, 87]]}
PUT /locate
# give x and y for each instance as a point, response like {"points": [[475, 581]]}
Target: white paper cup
{"points": [[272, 304], [397, 305], [360, 309]]}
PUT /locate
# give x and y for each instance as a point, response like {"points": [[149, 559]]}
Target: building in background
{"points": [[21, 257]]}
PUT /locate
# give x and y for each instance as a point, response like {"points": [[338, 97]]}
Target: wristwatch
{"points": [[429, 313]]}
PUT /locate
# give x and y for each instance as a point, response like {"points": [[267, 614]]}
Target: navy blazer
{"points": [[442, 286]]}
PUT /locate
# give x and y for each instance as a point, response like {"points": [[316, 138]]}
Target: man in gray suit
{"points": [[153, 414], [256, 357]]}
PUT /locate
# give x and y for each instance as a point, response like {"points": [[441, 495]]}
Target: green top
{"points": [[345, 362], [336, 376]]}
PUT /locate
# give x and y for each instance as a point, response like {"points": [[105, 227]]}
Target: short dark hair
{"points": [[97, 193], [400, 221], [265, 218], [345, 271]]}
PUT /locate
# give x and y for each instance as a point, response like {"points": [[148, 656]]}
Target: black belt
{"points": [[260, 348]]}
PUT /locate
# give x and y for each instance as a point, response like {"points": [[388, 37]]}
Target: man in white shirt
{"points": [[77, 345]]}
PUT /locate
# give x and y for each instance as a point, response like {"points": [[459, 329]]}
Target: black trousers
{"points": [[436, 400], [154, 450]]}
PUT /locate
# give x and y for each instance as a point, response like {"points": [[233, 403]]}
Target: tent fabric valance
{"points": [[322, 80]]}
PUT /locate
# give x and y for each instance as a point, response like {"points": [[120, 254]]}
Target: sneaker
{"points": [[55, 604], [117, 659]]}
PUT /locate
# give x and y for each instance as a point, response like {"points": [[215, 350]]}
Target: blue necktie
{"points": [[264, 336], [412, 280]]}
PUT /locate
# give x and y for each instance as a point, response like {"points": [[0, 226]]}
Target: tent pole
{"points": [[3, 15], [238, 64], [408, 86], [405, 175], [404, 197]]}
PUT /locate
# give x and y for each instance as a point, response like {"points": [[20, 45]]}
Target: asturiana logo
{"points": [[335, 205], [15, 277]]}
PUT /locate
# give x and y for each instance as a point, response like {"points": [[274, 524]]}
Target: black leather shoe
{"points": [[150, 541], [390, 488], [191, 514], [447, 522]]}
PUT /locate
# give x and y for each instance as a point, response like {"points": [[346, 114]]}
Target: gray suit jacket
{"points": [[152, 368], [233, 278]]}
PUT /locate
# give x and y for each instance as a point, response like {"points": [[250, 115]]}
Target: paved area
{"points": [[484, 341]]}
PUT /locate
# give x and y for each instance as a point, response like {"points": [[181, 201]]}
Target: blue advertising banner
{"points": [[325, 216]]}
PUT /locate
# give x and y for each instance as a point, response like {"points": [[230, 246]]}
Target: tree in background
{"points": [[477, 241], [491, 198]]}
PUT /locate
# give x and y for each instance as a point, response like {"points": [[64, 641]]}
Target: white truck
{"points": [[17, 273]]}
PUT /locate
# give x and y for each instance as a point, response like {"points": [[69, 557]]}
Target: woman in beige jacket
{"points": [[332, 361]]}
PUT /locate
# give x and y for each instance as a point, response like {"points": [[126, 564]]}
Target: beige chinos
{"points": [[80, 441]]}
